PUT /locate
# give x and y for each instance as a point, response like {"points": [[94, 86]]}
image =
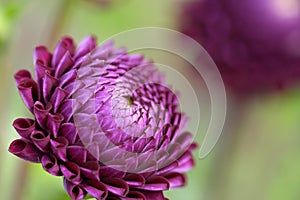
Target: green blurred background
{"points": [[257, 156]]}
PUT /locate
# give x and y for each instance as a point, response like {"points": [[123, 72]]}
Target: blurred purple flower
{"points": [[104, 121], [254, 43]]}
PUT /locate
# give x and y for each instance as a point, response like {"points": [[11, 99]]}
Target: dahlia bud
{"points": [[104, 120], [255, 44]]}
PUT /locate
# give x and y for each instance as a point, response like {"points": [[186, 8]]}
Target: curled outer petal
{"points": [[51, 165], [41, 140], [76, 192], [29, 92], [24, 127], [25, 150]]}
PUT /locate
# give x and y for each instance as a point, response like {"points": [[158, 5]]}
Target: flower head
{"points": [[103, 120], [254, 43]]}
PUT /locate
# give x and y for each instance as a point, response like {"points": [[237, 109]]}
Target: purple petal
{"points": [[50, 164], [40, 72], [68, 108], [59, 147], [67, 79], [116, 186], [149, 166], [25, 150], [176, 180], [49, 82], [193, 147], [53, 123], [167, 168], [77, 154], [24, 127], [87, 45], [66, 44], [185, 140], [96, 189], [186, 162], [71, 172], [134, 180], [76, 192], [156, 183], [174, 152], [106, 171], [41, 53], [154, 195], [41, 113], [41, 140], [134, 195], [22, 74], [58, 96], [68, 131], [86, 59], [90, 170], [65, 64], [29, 92]]}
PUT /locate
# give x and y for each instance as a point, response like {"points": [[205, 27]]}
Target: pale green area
{"points": [[266, 164]]}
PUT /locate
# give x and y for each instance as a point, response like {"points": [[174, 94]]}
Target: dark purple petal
{"points": [[65, 45], [41, 140], [87, 45], [22, 74], [49, 83], [59, 147], [41, 113], [116, 186], [67, 109], [96, 189], [106, 171], [51, 165], [42, 54], [71, 172], [76, 192], [53, 123], [134, 195], [68, 131], [25, 150], [90, 170], [154, 195], [29, 92], [40, 72], [77, 154], [24, 127], [134, 180]]}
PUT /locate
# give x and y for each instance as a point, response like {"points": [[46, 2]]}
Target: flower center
{"points": [[129, 100]]}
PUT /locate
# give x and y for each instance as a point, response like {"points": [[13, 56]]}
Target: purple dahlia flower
{"points": [[254, 43], [104, 121]]}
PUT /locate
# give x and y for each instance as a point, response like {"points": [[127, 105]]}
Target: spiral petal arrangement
{"points": [[104, 120]]}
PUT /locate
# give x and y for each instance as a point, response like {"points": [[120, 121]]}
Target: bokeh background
{"points": [[257, 156]]}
